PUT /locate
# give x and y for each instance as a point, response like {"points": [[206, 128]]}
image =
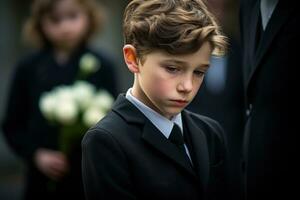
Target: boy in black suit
{"points": [[148, 146]]}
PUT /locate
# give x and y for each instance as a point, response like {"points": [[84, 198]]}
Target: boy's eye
{"points": [[199, 73], [171, 69]]}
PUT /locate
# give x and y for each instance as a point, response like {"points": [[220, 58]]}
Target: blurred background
{"points": [[12, 16], [222, 101]]}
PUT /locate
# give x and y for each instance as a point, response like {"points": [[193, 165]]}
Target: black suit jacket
{"points": [[126, 157], [269, 68]]}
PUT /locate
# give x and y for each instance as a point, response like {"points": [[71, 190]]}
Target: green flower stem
{"points": [[70, 136]]}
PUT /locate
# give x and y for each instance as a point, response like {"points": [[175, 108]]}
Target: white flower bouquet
{"points": [[74, 109]]}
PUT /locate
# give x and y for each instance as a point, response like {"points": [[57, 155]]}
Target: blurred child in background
{"points": [[61, 29]]}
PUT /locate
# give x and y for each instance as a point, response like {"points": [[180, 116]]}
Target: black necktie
{"points": [[176, 138]]}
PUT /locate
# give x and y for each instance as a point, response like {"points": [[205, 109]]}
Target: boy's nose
{"points": [[186, 85]]}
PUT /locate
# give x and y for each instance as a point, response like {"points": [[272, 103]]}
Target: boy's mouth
{"points": [[180, 103]]}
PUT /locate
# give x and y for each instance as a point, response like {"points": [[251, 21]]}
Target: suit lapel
{"points": [[253, 36], [278, 18], [150, 133], [199, 147]]}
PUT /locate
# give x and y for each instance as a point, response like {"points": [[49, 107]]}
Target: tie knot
{"points": [[176, 135]]}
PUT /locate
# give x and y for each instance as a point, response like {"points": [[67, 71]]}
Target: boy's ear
{"points": [[129, 53]]}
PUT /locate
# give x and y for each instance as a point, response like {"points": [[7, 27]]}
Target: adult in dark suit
{"points": [[268, 30], [126, 157]]}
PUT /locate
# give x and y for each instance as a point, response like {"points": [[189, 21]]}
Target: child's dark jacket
{"points": [[126, 157], [26, 130]]}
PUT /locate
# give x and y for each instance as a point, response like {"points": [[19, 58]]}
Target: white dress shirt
{"points": [[266, 9], [162, 123]]}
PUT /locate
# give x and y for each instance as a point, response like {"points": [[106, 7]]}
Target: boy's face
{"points": [[168, 83], [66, 25]]}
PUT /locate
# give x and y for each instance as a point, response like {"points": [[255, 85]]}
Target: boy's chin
{"points": [[172, 114]]}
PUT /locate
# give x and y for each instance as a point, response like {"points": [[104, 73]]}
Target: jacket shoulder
{"points": [[112, 124], [29, 60], [211, 128], [205, 122]]}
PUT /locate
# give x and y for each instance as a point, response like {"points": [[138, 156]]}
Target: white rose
{"points": [[89, 63], [66, 111], [47, 105], [83, 93], [63, 93], [103, 100], [92, 115]]}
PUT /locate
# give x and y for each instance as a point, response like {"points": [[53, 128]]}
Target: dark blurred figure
{"points": [[221, 94], [61, 29], [269, 31]]}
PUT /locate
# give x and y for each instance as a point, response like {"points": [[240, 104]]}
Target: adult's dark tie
{"points": [[176, 138]]}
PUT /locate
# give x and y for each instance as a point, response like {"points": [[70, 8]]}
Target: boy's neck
{"points": [[136, 92]]}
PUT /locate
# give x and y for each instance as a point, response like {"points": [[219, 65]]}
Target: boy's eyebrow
{"points": [[205, 65]]}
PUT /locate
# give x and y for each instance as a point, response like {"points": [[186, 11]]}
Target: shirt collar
{"points": [[162, 123]]}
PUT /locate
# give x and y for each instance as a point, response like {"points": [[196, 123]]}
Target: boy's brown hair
{"points": [[33, 33], [175, 26]]}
